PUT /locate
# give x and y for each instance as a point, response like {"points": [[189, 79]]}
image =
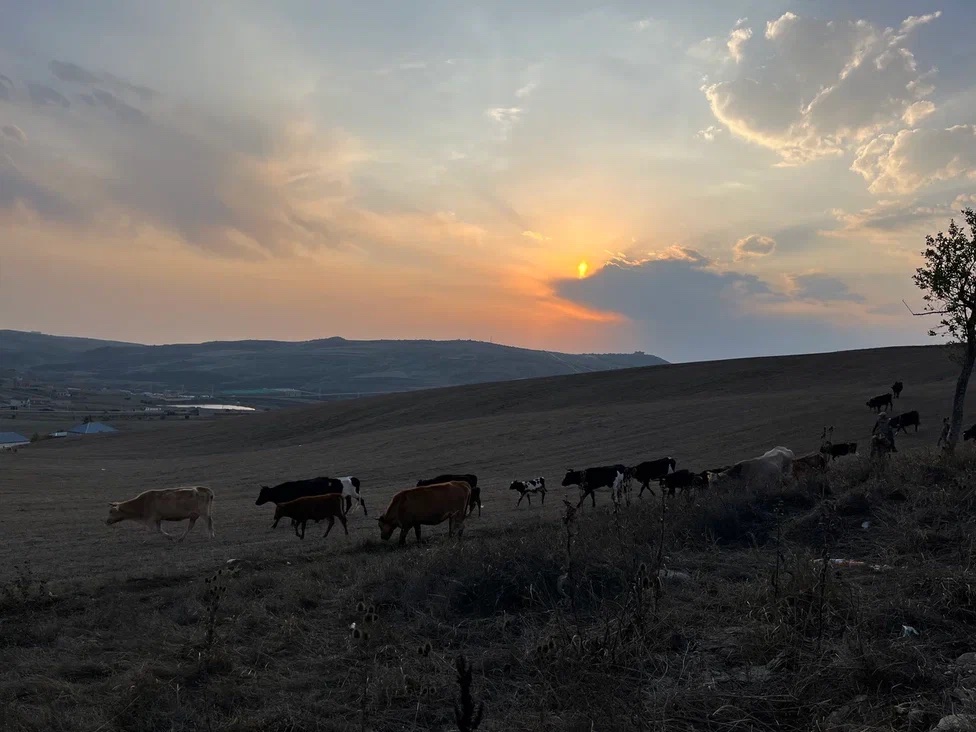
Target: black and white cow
{"points": [[347, 487], [650, 470], [527, 487], [590, 479]]}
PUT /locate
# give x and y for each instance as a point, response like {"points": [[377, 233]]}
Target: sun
{"points": [[582, 267]]}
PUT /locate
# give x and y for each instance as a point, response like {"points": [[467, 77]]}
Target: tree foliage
{"points": [[948, 279]]}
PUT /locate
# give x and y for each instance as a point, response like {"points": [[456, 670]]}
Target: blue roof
{"points": [[91, 428], [10, 437]]}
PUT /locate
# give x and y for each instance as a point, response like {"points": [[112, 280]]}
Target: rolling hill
{"points": [[327, 366]]}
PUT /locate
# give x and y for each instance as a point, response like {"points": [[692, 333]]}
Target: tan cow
{"points": [[427, 505], [152, 507]]}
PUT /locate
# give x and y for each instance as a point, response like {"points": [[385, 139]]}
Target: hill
{"points": [[706, 611], [327, 366]]}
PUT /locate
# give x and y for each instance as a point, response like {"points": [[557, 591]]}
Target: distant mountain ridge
{"points": [[327, 366]]}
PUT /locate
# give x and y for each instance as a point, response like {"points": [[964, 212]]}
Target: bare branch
{"points": [[930, 312]]}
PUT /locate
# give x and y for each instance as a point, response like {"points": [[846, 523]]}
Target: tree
{"points": [[948, 279]]}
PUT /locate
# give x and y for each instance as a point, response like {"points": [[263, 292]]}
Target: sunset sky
{"points": [[739, 178]]}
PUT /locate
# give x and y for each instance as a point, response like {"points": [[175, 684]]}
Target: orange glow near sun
{"points": [[581, 268]]}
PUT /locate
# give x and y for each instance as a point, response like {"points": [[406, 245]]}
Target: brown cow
{"points": [[426, 506], [327, 507], [166, 504]]}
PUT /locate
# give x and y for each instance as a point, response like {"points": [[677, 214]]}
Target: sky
{"points": [[700, 181]]}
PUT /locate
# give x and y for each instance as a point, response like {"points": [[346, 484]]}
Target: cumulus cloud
{"points": [[911, 159], [685, 308], [819, 287], [809, 88], [754, 245], [737, 41], [13, 132]]}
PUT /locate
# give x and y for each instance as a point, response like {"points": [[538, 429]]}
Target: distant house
{"points": [[10, 440], [20, 403], [91, 428], [60, 433]]}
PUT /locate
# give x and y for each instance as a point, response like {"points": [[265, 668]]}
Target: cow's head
{"points": [[115, 514], [386, 527], [516, 485], [263, 496], [573, 477]]}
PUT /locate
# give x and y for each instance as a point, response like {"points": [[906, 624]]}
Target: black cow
{"points": [[838, 449], [470, 479], [879, 401], [592, 478], [902, 421], [650, 470], [683, 479], [969, 434], [527, 487], [347, 487], [896, 389]]}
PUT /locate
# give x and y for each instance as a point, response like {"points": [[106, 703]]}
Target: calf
{"points": [[896, 389], [152, 507], [426, 506], [902, 421], [328, 507], [290, 490], [527, 487], [876, 403], [592, 478], [682, 479], [650, 470], [470, 479]]}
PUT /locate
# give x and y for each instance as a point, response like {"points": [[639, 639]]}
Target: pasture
{"points": [[116, 642]]}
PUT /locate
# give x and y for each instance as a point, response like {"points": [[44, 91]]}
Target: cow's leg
{"points": [[543, 492], [479, 507], [275, 524], [345, 526], [348, 501], [158, 524], [329, 527], [416, 530], [460, 528], [193, 520], [403, 536], [519, 501], [210, 526], [363, 504]]}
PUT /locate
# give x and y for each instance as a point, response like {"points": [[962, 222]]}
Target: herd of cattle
{"points": [[452, 497]]}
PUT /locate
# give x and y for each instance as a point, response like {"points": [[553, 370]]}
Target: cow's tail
{"points": [[208, 492]]}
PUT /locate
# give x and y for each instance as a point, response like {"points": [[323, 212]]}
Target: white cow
{"points": [[774, 465], [152, 507]]}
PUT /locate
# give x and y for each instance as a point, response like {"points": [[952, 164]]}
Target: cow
{"points": [[327, 507], [838, 449], [290, 490], [154, 506], [902, 421], [683, 479], [775, 464], [592, 478], [877, 402], [470, 479], [969, 434], [527, 487], [650, 470], [427, 505], [896, 389]]}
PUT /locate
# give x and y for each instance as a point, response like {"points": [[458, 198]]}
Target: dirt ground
{"points": [[54, 494]]}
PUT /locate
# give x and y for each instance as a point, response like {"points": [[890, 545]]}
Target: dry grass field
{"points": [[568, 626]]}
